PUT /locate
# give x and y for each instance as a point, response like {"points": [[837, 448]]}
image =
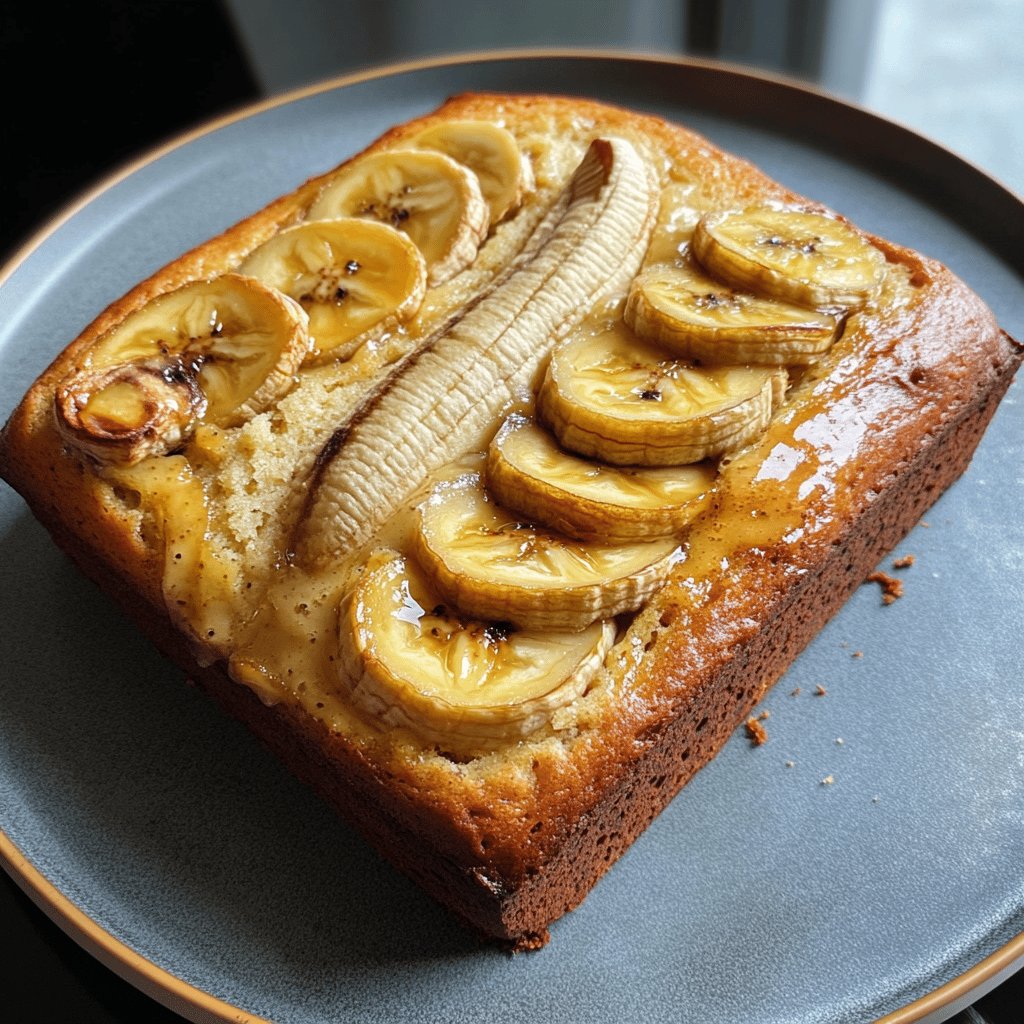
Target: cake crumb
{"points": [[892, 588], [925, 524], [764, 716], [903, 562], [857, 654], [820, 691], [840, 741], [756, 732], [791, 764], [828, 780], [795, 693]]}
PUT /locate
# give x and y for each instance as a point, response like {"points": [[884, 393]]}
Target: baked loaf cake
{"points": [[494, 476]]}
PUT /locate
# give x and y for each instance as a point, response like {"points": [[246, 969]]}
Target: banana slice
{"points": [[434, 200], [354, 278], [412, 661], [490, 152], [698, 318], [610, 396], [529, 474], [492, 565], [793, 255], [226, 350], [124, 414]]}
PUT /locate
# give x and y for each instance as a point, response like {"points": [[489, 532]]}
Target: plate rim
{"points": [[149, 977], [159, 983]]}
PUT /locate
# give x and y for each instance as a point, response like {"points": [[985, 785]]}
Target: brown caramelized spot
{"points": [[719, 300], [806, 246], [496, 632]]}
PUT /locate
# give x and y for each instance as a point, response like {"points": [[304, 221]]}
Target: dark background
{"points": [[88, 87]]}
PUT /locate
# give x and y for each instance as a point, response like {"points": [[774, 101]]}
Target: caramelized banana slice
{"points": [[126, 413], [529, 474], [698, 318], [233, 340], [490, 152], [492, 565], [355, 279], [610, 396], [793, 255], [412, 661], [434, 200]]}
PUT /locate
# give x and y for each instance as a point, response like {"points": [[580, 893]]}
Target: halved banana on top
{"points": [[435, 200], [412, 661], [610, 396], [490, 152], [793, 255], [531, 475], [220, 351], [354, 278], [491, 564], [699, 318]]}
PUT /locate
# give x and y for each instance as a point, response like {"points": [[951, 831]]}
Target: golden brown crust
{"points": [[510, 853]]}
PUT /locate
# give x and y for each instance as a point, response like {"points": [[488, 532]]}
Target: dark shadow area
{"points": [[51, 978], [127, 75]]}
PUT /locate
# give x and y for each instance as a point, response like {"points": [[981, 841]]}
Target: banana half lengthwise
{"points": [[235, 549]]}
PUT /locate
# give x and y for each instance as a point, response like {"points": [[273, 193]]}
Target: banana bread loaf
{"points": [[492, 477]]}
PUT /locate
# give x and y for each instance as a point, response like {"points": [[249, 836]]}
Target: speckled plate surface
{"points": [[762, 894]]}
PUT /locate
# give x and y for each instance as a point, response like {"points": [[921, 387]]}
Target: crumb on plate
{"points": [[756, 732], [892, 588]]}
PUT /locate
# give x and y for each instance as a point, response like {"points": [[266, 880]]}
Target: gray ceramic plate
{"points": [[163, 837]]}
